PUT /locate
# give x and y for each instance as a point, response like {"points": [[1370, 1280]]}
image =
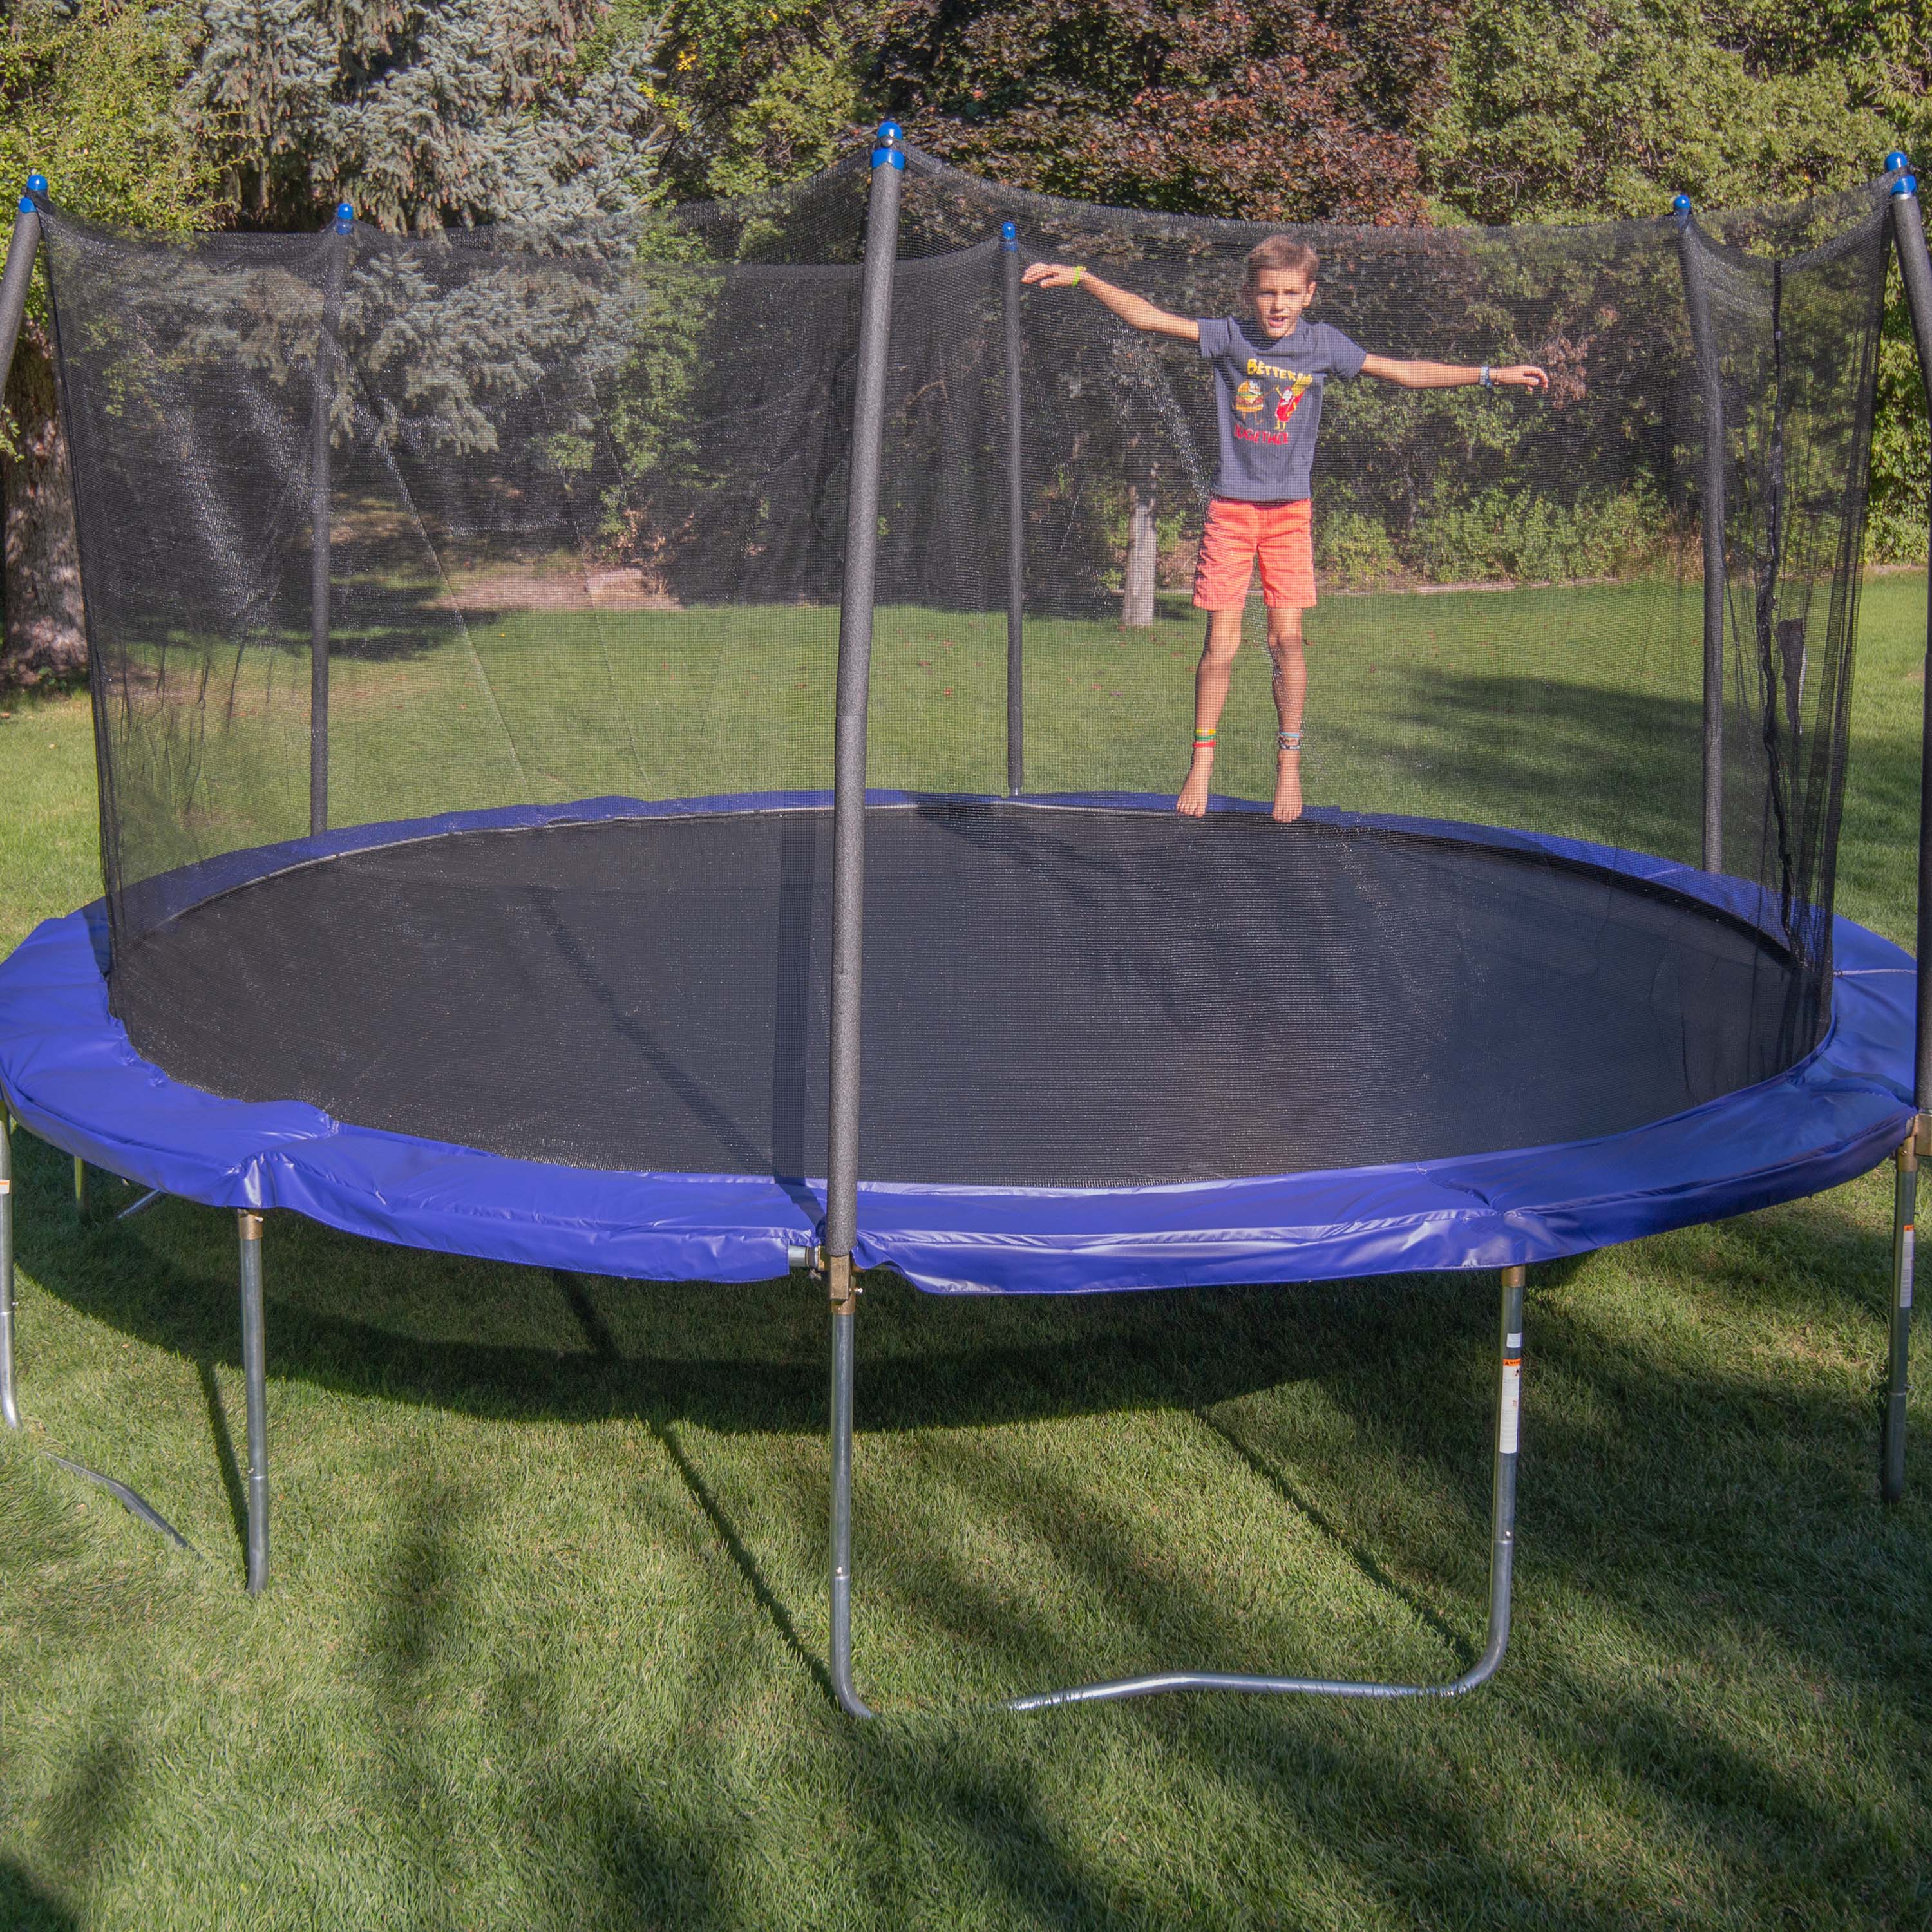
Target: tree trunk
{"points": [[1137, 588], [43, 637]]}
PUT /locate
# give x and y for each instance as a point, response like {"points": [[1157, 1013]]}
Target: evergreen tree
{"points": [[87, 96], [423, 115]]}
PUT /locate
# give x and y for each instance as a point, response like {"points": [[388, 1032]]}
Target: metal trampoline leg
{"points": [[79, 1188], [254, 1374], [10, 1407], [845, 1306], [1502, 1493], [1502, 1561], [1904, 1205]]}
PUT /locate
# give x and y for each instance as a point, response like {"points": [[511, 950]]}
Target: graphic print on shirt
{"points": [[1268, 403], [1287, 395]]}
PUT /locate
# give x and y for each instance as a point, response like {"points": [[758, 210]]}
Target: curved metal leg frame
{"points": [[1904, 1206], [10, 1406], [254, 1373], [844, 1306], [1502, 1554], [1502, 1546]]}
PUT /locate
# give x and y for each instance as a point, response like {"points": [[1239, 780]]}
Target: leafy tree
{"points": [[1551, 113], [423, 115], [1194, 106], [86, 96], [766, 91]]}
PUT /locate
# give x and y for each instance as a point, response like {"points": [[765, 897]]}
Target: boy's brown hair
{"points": [[1281, 251]]}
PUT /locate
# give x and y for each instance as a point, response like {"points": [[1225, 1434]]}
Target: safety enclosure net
{"points": [[463, 612]]}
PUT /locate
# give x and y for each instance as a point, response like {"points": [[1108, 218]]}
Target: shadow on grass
{"points": [[25, 1907], [374, 1322], [1690, 1507], [225, 1459], [367, 1320]]}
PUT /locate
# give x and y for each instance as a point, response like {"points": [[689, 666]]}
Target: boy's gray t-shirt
{"points": [[1268, 398]]}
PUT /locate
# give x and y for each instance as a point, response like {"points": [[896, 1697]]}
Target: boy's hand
{"points": [[1520, 376], [1051, 275]]}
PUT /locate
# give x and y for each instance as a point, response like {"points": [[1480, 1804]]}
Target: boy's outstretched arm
{"points": [[1135, 310], [1453, 375]]}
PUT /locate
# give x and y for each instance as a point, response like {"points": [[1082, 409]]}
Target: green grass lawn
{"points": [[1574, 709], [545, 1644]]}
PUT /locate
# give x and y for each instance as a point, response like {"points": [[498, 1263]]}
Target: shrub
{"points": [[1352, 552], [1497, 532]]}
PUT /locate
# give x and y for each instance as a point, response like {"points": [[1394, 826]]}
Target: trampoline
{"points": [[999, 1040]]}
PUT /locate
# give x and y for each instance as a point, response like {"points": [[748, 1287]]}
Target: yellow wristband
{"points": [[1077, 274]]}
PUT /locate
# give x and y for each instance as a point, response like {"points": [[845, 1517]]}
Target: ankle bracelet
{"points": [[1288, 741]]}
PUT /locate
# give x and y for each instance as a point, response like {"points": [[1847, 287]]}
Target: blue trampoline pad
{"points": [[1104, 1048]]}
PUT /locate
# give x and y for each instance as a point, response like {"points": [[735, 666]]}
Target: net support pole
{"points": [[848, 861], [10, 1406], [321, 408], [1009, 263], [1908, 229], [21, 251], [254, 1376], [1704, 343]]}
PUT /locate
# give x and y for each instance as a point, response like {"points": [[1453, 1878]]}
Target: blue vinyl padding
{"points": [[73, 1078]]}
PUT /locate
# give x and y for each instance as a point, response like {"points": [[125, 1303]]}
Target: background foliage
{"points": [[88, 95], [265, 112], [462, 111], [1558, 113], [1280, 113]]}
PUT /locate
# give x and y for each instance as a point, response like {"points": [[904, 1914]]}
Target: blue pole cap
{"points": [[1906, 184], [1010, 237], [888, 131], [887, 151], [27, 204], [37, 183], [1681, 204], [345, 217], [1897, 162]]}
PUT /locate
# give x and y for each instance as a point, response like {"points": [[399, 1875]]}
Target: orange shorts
{"points": [[1235, 534]]}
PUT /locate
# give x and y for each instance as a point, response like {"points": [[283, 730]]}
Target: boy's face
{"points": [[1280, 297]]}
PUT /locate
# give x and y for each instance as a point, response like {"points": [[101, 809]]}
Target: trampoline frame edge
{"points": [[1502, 1545]]}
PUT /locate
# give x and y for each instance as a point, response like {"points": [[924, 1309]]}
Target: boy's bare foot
{"points": [[1193, 803], [1287, 787]]}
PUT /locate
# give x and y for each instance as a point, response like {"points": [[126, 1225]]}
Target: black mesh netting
{"points": [[582, 502]]}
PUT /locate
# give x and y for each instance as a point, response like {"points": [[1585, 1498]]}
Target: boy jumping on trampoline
{"points": [[1269, 373]]}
